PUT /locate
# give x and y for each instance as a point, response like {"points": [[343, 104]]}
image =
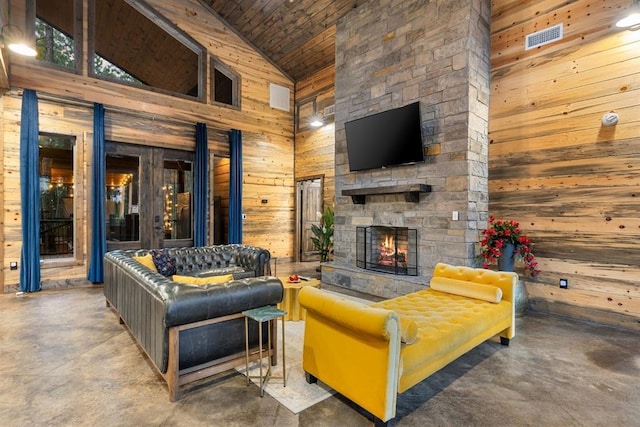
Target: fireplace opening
{"points": [[387, 249]]}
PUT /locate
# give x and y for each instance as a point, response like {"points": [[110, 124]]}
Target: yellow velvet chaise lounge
{"points": [[370, 353]]}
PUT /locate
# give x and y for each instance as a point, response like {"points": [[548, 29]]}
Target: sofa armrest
{"points": [[504, 280], [353, 348], [253, 258]]}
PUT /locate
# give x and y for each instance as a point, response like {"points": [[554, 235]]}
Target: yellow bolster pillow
{"points": [[467, 289], [359, 318], [147, 261], [190, 280], [408, 330]]}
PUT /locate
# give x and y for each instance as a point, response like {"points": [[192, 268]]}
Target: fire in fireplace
{"points": [[387, 249]]}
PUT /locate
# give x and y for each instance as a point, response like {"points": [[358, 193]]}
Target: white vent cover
{"points": [[546, 36], [329, 111], [278, 97]]}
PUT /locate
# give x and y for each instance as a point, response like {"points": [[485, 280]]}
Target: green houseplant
{"points": [[322, 238]]}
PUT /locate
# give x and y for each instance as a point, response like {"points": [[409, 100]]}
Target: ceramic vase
{"points": [[506, 262], [507, 258]]}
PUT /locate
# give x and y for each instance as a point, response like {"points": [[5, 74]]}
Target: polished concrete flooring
{"points": [[66, 361]]}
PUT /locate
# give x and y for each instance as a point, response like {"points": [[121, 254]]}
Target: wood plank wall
{"points": [[315, 147], [573, 184], [139, 116]]}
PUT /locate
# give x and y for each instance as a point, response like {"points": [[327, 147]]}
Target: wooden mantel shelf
{"points": [[411, 192]]}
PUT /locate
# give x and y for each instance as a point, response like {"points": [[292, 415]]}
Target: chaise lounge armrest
{"points": [[353, 348]]}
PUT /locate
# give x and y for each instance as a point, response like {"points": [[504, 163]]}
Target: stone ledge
{"points": [[411, 192], [371, 282]]}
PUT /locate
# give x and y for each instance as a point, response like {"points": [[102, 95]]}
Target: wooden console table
{"points": [[411, 192]]}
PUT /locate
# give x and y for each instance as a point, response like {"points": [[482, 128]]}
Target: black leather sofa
{"points": [[191, 332]]}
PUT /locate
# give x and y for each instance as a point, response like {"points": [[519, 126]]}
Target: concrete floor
{"points": [[66, 361]]}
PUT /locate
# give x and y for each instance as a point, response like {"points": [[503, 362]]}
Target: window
{"points": [[56, 32], [224, 84], [122, 181], [56, 196], [178, 188], [133, 44]]}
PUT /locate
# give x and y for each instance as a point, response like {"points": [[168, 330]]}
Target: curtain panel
{"points": [[29, 193], [201, 185], [98, 199], [235, 187]]}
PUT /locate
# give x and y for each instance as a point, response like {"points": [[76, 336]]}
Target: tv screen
{"points": [[393, 137]]}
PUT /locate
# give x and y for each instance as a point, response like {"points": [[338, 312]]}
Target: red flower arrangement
{"points": [[498, 235]]}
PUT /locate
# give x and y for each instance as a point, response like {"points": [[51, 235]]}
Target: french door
{"points": [[149, 201]]}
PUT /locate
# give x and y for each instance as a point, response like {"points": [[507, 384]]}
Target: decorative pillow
{"points": [[467, 289], [164, 264], [147, 261], [408, 330], [190, 280]]}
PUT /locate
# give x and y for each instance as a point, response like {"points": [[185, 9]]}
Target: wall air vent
{"points": [[546, 36], [329, 111]]}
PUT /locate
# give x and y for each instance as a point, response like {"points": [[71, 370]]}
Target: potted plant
{"points": [[323, 235], [503, 242]]}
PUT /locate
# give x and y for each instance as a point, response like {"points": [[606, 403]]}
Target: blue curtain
{"points": [[98, 210], [235, 187], [201, 186], [29, 194]]}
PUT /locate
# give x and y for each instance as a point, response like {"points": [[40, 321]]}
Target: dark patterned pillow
{"points": [[164, 263]]}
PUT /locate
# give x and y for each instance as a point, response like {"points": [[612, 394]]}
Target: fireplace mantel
{"points": [[411, 192]]}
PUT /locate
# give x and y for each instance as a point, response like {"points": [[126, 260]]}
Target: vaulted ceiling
{"points": [[297, 35]]}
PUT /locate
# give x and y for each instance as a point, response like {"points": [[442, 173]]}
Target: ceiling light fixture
{"points": [[631, 20], [316, 121], [13, 38]]}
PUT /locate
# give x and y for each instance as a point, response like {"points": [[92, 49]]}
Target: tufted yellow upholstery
{"points": [[355, 348]]}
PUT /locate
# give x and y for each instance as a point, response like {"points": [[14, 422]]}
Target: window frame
{"points": [[216, 64], [78, 35], [77, 257], [167, 26]]}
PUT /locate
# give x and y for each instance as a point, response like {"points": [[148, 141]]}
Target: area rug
{"points": [[297, 395]]}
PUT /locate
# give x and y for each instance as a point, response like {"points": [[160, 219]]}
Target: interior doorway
{"points": [[309, 207], [149, 201]]}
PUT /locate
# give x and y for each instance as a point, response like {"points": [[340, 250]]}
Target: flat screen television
{"points": [[389, 138]]}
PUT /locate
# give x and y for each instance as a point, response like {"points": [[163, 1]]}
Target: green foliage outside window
{"points": [[58, 48], [54, 46]]}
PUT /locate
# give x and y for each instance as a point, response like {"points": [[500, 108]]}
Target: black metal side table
{"points": [[267, 314]]}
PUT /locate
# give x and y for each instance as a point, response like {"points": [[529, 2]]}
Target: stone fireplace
{"points": [[391, 53], [390, 250]]}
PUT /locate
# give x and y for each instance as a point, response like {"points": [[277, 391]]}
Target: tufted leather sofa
{"points": [[369, 353], [191, 331]]}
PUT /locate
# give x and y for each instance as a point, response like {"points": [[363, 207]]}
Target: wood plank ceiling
{"points": [[297, 35]]}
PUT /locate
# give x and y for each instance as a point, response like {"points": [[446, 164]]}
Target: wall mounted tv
{"points": [[390, 138]]}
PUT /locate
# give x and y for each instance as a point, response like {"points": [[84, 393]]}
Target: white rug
{"points": [[297, 395]]}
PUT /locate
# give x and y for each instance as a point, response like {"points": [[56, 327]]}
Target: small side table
{"points": [[264, 314]]}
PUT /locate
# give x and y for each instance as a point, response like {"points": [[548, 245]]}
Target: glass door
{"points": [[148, 197]]}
